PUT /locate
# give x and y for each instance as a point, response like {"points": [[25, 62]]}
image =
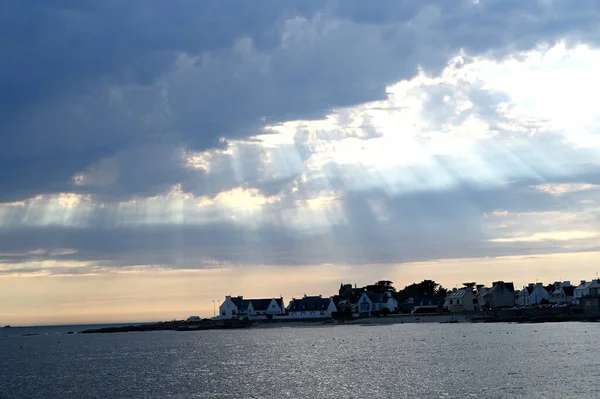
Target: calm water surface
{"points": [[393, 361]]}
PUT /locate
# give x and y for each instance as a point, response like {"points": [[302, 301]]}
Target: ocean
{"points": [[552, 360]]}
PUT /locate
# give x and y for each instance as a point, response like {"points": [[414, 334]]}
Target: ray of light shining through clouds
{"points": [[154, 167]]}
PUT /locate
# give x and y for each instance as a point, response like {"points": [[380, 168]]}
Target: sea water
{"points": [[553, 360]]}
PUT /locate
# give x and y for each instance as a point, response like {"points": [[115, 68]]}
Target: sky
{"points": [[157, 156]]}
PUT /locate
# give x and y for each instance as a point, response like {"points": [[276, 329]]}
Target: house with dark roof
{"points": [[583, 290], [424, 304], [310, 307], [532, 294], [499, 295], [590, 300], [239, 308], [370, 302], [461, 300], [562, 292]]}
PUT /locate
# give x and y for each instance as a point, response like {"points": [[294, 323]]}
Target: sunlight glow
{"points": [[476, 123]]}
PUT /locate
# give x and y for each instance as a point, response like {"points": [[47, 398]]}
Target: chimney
{"points": [[227, 297], [581, 281], [567, 284]]}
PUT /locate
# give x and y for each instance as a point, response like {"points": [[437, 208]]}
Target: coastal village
{"points": [[425, 298], [381, 302]]}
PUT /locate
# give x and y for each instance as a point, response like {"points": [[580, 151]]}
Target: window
{"points": [[234, 311], [451, 302], [224, 314]]}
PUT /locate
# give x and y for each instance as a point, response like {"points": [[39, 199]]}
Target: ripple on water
{"points": [[398, 361]]}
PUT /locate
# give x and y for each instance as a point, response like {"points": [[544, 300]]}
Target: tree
{"points": [[441, 291], [381, 286], [424, 288], [387, 285]]}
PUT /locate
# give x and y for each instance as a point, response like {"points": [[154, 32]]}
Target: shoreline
{"points": [[182, 326]]}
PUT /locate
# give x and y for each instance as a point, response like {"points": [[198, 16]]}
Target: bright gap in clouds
{"points": [[480, 122]]}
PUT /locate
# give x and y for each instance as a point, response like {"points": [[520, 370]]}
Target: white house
{"points": [[595, 289], [534, 294], [520, 296], [374, 302], [461, 300], [562, 293], [239, 308], [309, 307], [583, 290]]}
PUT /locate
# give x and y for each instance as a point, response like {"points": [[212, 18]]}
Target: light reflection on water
{"points": [[396, 361]]}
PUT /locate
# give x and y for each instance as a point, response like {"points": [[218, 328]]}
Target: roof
{"points": [[569, 291], [508, 286], [309, 303], [257, 304], [531, 287], [459, 293], [377, 298], [585, 285]]}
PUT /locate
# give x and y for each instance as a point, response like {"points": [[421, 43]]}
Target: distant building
{"points": [[193, 318], [500, 295], [590, 304], [426, 304], [310, 307], [533, 294], [240, 308], [461, 300], [520, 297], [583, 290], [348, 292], [562, 292], [595, 289], [587, 295], [370, 302], [347, 299]]}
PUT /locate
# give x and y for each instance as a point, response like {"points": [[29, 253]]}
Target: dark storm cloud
{"points": [[59, 113]]}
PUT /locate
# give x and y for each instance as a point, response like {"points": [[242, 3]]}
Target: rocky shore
{"points": [[175, 325]]}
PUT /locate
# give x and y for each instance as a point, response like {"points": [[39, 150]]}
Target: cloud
{"points": [[561, 189], [170, 75], [169, 141]]}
